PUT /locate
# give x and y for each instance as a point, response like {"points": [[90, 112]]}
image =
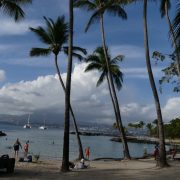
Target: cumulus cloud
{"points": [[171, 109], [90, 104], [9, 27], [2, 75]]}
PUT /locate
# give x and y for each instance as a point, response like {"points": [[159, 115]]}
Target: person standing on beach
{"points": [[156, 152], [26, 149], [87, 152], [16, 146]]}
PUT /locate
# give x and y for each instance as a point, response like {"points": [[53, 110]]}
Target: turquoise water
{"points": [[41, 142]]}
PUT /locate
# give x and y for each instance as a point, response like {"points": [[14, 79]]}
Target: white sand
{"points": [[105, 170]]}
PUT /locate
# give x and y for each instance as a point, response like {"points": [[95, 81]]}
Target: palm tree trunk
{"points": [[81, 155], [162, 151], [114, 106], [173, 40], [122, 133], [65, 160]]}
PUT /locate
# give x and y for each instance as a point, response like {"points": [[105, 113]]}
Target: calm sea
{"points": [[49, 143]]}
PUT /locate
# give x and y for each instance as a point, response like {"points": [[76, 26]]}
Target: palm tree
{"points": [[55, 36], [162, 151], [97, 61], [149, 126], [164, 9], [65, 160], [13, 8], [99, 7]]}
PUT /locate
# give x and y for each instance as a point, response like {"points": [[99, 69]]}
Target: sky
{"points": [[30, 85]]}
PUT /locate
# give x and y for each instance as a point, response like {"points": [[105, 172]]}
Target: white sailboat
{"points": [[27, 126], [44, 127]]}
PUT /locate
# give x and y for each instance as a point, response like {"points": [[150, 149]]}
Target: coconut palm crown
{"points": [[97, 61], [13, 8], [55, 36], [99, 7]]}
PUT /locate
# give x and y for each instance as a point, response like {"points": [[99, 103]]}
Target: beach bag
{"points": [[29, 158]]}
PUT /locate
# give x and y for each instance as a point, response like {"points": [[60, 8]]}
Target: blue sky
{"points": [[30, 85]]}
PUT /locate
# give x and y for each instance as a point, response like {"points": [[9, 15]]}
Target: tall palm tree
{"points": [[162, 152], [55, 36], [65, 160], [99, 8], [13, 8], [97, 62], [164, 9]]}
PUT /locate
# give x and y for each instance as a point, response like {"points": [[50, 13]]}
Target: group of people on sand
{"points": [[156, 152], [17, 145], [81, 164]]}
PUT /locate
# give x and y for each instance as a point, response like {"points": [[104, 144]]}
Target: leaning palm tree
{"points": [[55, 36], [162, 152], [97, 61], [13, 8], [99, 8], [164, 9], [65, 160]]}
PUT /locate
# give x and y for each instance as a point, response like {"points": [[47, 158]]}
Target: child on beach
{"points": [[87, 152], [16, 146], [26, 149]]}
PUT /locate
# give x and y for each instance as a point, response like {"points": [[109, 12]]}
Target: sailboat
{"points": [[27, 126], [44, 127]]}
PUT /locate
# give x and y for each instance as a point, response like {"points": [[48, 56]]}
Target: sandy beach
{"points": [[104, 169]]}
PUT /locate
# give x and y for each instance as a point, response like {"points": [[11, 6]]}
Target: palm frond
{"points": [[76, 52], [116, 10], [94, 18], [50, 24], [93, 58], [117, 59], [93, 66], [40, 52], [61, 30], [101, 79], [117, 77], [42, 35], [13, 10], [84, 4]]}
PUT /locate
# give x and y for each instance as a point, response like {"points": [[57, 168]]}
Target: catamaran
{"points": [[27, 126]]}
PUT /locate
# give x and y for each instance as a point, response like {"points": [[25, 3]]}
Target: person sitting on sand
{"points": [[80, 165], [16, 146]]}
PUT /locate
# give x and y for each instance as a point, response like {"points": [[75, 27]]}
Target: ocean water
{"points": [[49, 144]]}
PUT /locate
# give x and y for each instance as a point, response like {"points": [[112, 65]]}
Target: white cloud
{"points": [[9, 27], [141, 72], [89, 103], [2, 75], [171, 109]]}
